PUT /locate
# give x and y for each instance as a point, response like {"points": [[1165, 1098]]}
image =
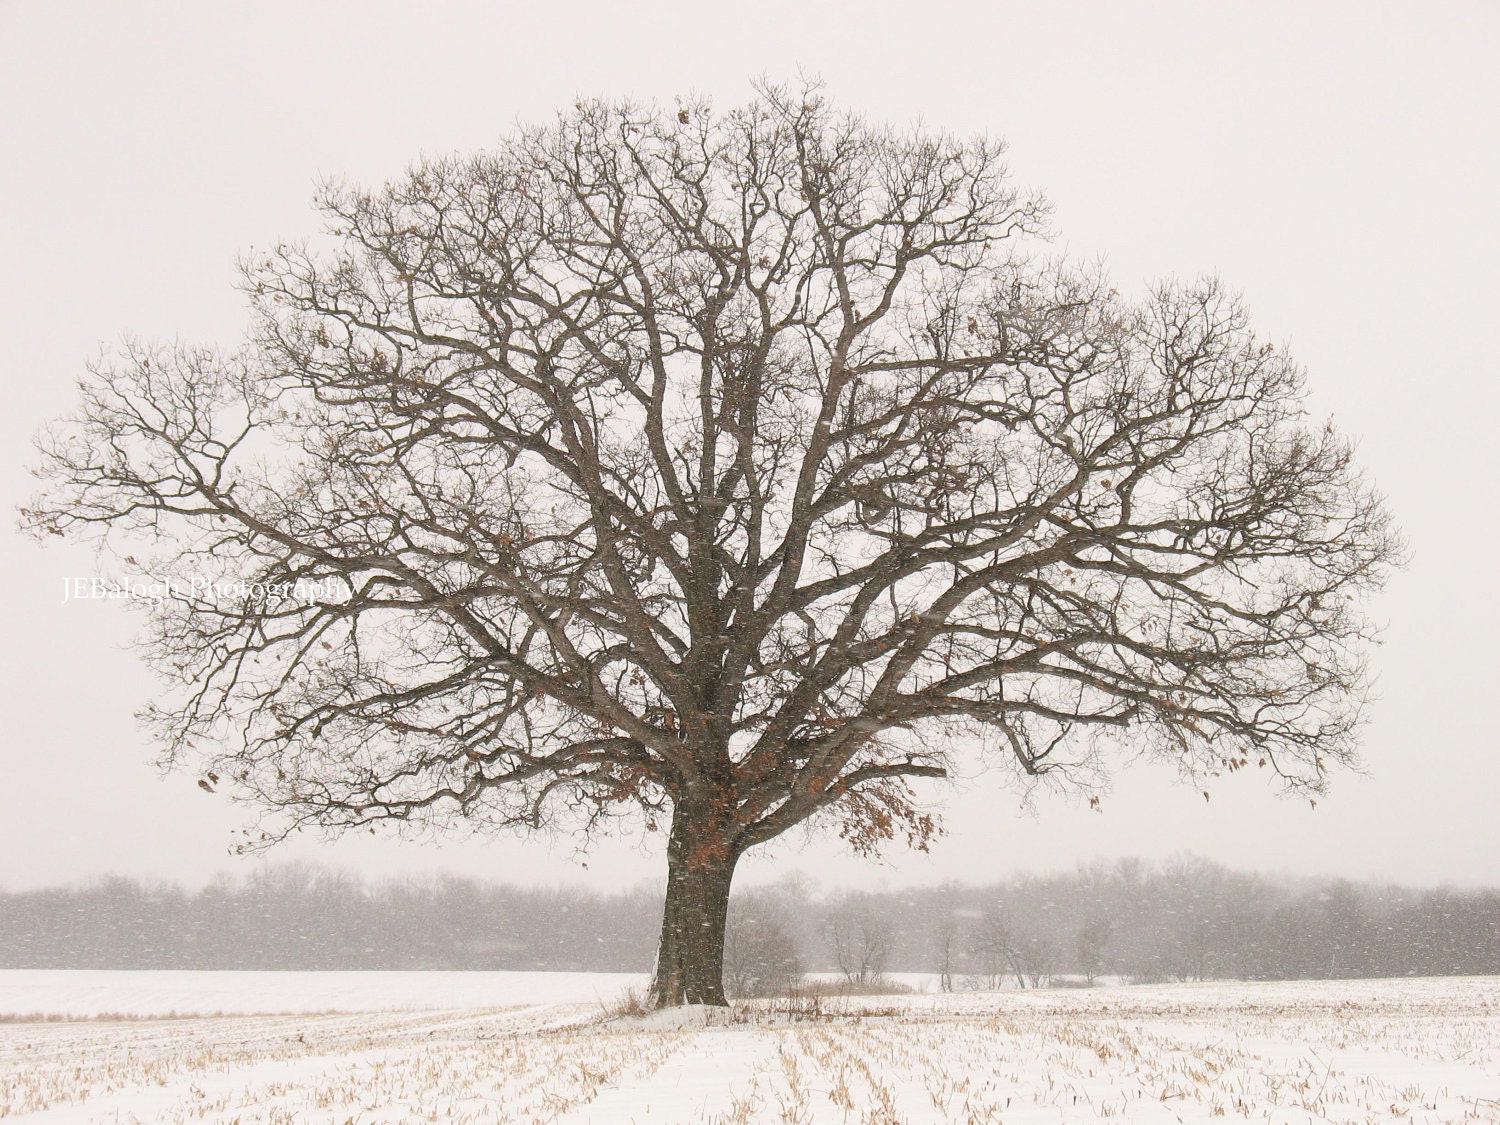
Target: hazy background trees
{"points": [[1181, 920], [762, 956], [306, 918], [860, 934]]}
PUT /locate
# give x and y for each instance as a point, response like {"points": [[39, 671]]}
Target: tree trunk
{"points": [[700, 866]]}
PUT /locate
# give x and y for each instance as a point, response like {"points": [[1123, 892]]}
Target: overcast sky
{"points": [[1337, 162]]}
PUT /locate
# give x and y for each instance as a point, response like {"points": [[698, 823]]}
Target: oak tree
{"points": [[730, 470]]}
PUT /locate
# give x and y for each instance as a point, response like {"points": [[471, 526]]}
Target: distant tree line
{"points": [[309, 918], [1186, 919]]}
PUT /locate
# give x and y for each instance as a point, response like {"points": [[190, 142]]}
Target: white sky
{"points": [[1337, 162]]}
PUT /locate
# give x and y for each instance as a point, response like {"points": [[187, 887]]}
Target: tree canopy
{"points": [[728, 469]]}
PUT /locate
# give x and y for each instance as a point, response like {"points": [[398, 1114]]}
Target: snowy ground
{"points": [[442, 1048], [89, 993]]}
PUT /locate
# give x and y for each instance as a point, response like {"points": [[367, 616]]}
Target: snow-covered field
{"points": [[532, 1047], [91, 994]]}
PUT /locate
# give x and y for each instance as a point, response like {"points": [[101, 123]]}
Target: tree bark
{"points": [[700, 867]]}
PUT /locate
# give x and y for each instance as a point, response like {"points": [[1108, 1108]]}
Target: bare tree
{"points": [[760, 954], [859, 934], [734, 469], [1034, 957], [944, 929], [992, 945], [1091, 945]]}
